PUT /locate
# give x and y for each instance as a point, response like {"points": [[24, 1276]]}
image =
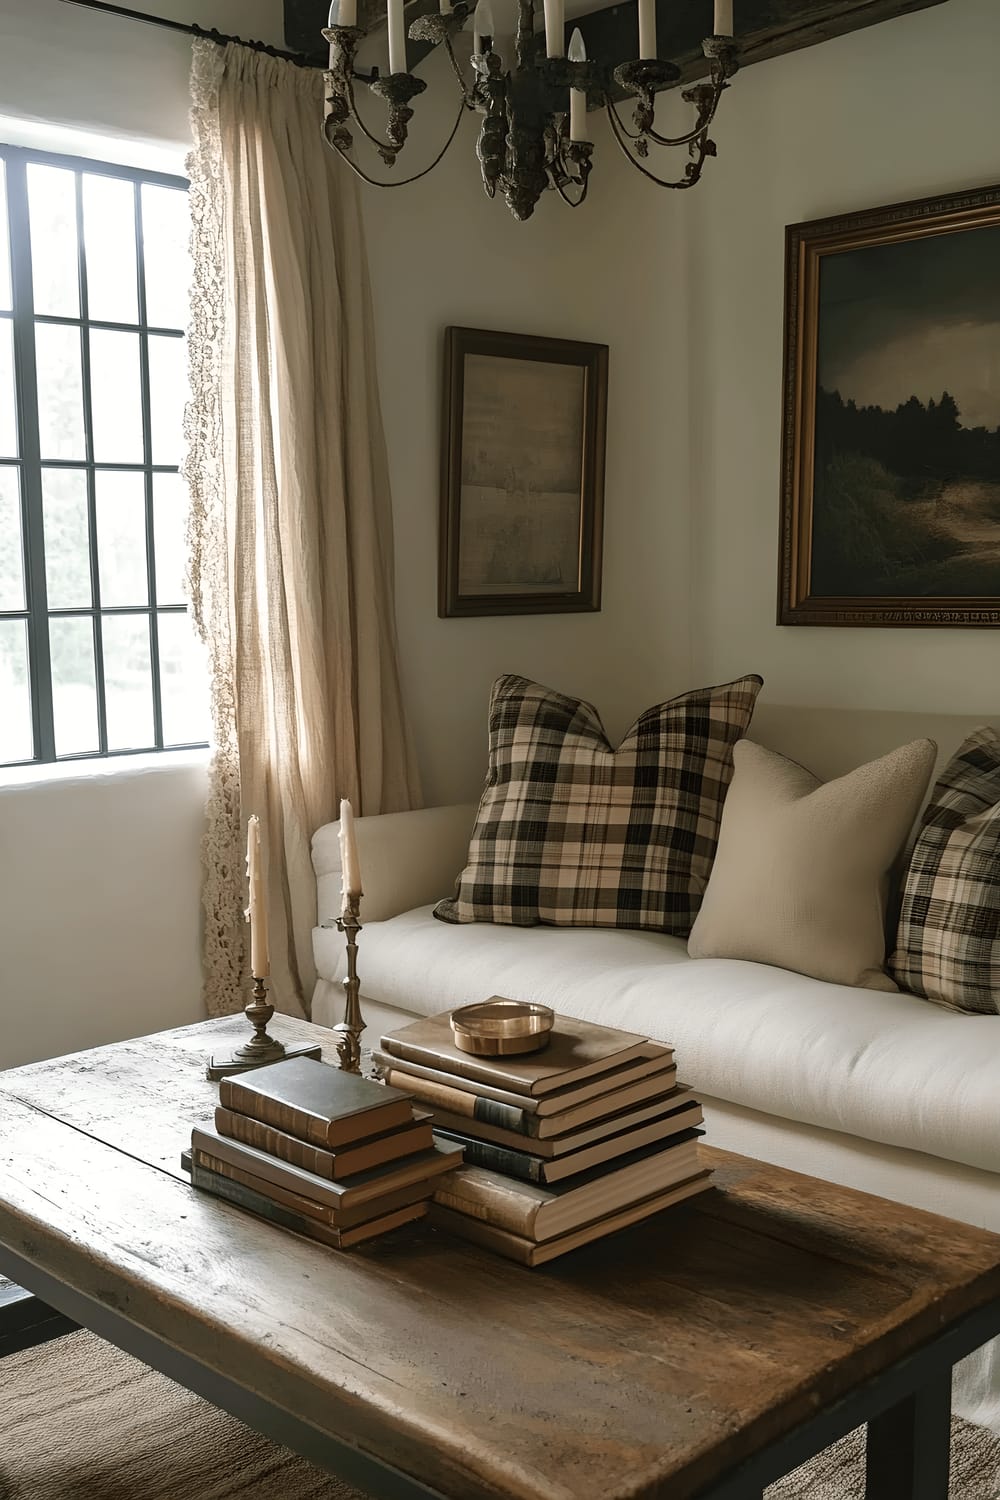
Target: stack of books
{"points": [[332, 1155], [560, 1146]]}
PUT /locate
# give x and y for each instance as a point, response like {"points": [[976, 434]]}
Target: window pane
{"points": [[54, 253], [170, 502], [168, 394], [74, 688], [165, 230], [11, 557], [109, 240], [6, 301], [60, 391], [183, 682], [67, 538], [128, 682], [16, 738], [8, 404], [121, 538], [115, 396]]}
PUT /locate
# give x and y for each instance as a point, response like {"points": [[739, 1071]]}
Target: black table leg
{"points": [[26, 1321], [909, 1446]]}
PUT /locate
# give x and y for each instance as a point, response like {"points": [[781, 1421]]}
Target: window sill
{"points": [[110, 766]]}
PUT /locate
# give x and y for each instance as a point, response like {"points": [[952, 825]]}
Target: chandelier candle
{"points": [[647, 29], [723, 17], [555, 28], [397, 37], [577, 97], [482, 28]]}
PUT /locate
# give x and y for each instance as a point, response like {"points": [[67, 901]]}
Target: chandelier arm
{"points": [[573, 202], [705, 118], [352, 104], [689, 180], [467, 99], [400, 181]]}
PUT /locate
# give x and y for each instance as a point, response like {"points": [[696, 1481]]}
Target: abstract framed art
{"points": [[522, 481], [891, 461]]}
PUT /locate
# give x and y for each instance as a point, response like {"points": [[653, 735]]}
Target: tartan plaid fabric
{"points": [[575, 834], [948, 939]]}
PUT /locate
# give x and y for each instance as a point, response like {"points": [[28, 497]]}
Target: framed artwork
{"points": [[522, 485], [891, 469]]}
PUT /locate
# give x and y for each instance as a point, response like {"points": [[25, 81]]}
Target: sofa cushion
{"points": [[802, 867], [573, 833], [948, 939], [883, 1066]]}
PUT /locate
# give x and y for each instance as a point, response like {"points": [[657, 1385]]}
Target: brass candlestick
{"points": [[350, 1028], [261, 1049]]}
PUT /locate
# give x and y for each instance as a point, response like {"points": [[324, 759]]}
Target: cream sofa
{"points": [[884, 1092]]}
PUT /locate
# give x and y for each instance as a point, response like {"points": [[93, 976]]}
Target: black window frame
{"points": [[23, 318]]}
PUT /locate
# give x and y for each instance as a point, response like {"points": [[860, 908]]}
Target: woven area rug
{"points": [[81, 1421]]}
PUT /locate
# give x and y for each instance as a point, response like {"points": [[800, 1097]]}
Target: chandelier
{"points": [[534, 132]]}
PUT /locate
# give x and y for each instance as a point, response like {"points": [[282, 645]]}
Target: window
{"points": [[97, 652]]}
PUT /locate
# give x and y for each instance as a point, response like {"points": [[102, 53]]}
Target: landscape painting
{"points": [[523, 474], [892, 472]]}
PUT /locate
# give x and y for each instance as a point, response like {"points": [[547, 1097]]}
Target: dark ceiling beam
{"points": [[766, 28]]}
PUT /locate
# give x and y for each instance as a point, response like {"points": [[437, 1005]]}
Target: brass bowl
{"points": [[501, 1028]]}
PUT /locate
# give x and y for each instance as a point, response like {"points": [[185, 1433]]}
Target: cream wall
{"points": [[905, 109], [442, 253]]}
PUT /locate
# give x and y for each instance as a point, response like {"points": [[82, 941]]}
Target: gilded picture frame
{"points": [[890, 511], [522, 481]]}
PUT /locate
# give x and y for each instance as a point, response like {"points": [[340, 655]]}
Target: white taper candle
{"points": [[256, 912], [350, 882]]}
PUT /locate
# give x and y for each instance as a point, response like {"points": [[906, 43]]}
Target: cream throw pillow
{"points": [[802, 866]]}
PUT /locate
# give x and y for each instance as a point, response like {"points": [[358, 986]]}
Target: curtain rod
{"points": [[192, 30]]}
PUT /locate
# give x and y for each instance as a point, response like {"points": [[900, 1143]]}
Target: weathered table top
{"points": [[646, 1364]]}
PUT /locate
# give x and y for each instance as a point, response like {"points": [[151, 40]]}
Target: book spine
{"points": [[498, 1158], [461, 1102], [232, 1095], [275, 1142], [512, 1246], [466, 1067], [275, 1194], [263, 1207]]}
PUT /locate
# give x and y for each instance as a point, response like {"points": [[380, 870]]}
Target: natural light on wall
{"points": [[97, 652]]}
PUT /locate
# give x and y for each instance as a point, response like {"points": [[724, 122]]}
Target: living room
{"points": [[101, 879]]}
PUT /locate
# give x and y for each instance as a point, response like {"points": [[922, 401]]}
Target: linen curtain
{"points": [[290, 529]]}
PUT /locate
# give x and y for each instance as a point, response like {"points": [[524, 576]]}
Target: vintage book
{"points": [[573, 1140], [576, 1050], [465, 1101], [333, 1165], [556, 1102], [277, 1213], [539, 1211], [528, 1253], [360, 1188], [339, 1218], [315, 1101], [528, 1168]]}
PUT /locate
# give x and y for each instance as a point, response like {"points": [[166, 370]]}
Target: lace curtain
{"points": [[290, 526]]}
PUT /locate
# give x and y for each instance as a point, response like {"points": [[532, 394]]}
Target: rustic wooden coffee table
{"points": [[704, 1353]]}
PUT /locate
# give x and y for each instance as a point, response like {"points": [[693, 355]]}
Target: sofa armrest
{"points": [[407, 859]]}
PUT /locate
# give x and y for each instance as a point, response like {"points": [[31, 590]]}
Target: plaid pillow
{"points": [[575, 834], [948, 939]]}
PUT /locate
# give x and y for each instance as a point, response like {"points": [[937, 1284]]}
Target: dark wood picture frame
{"points": [[563, 443], [928, 557]]}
